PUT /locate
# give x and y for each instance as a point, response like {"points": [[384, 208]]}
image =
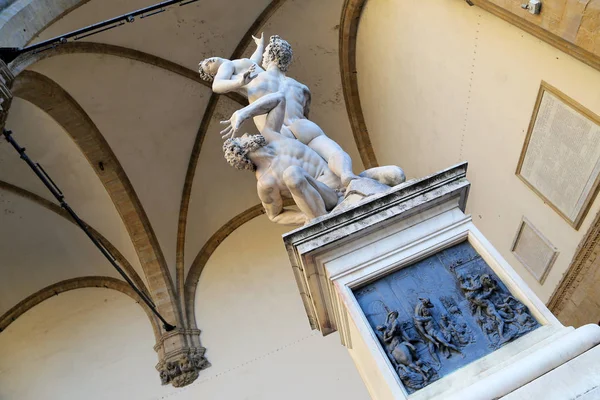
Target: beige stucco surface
{"points": [[219, 192], [30, 261], [97, 343], [441, 82], [48, 144], [184, 35], [83, 344], [148, 116], [258, 337]]}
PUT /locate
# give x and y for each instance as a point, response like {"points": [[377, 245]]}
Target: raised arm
{"points": [[260, 48], [273, 203], [224, 81], [271, 104]]}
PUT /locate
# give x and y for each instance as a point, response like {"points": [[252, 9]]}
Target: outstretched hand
{"points": [[249, 75], [259, 41], [233, 125]]}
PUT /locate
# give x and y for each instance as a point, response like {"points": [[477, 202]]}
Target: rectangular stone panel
{"points": [[533, 250], [560, 160], [442, 313]]}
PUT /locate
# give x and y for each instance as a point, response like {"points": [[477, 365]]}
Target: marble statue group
{"points": [[291, 157]]}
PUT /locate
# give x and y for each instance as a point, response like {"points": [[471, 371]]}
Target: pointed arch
{"points": [[64, 109], [127, 267], [24, 61], [246, 40], [71, 284], [349, 21], [193, 276]]}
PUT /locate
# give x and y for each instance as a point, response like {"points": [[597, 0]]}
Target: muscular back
{"points": [[296, 95], [291, 152]]}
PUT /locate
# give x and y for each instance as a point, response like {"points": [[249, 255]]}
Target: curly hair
{"points": [[236, 150], [205, 76], [280, 52]]}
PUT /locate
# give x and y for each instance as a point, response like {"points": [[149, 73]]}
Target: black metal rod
{"points": [[153, 13], [48, 177], [41, 174], [185, 3], [121, 18], [98, 31]]}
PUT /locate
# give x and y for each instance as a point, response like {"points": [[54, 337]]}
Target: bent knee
{"points": [[390, 175], [293, 177], [305, 130]]}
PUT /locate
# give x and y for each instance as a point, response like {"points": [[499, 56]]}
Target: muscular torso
{"points": [[267, 82], [428, 325], [290, 152], [297, 96], [272, 82]]}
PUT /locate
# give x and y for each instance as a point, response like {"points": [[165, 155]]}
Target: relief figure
{"points": [[478, 295], [524, 320], [412, 371], [500, 316], [434, 338], [455, 331], [454, 322]]}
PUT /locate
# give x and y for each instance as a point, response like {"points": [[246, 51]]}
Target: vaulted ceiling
{"points": [[129, 132]]}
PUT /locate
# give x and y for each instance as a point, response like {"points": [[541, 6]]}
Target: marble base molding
{"points": [[424, 303]]}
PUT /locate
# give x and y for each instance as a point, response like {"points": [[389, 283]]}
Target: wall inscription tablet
{"points": [[442, 313], [560, 160], [533, 250]]}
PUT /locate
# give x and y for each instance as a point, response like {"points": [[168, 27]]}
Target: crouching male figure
{"points": [[284, 168]]}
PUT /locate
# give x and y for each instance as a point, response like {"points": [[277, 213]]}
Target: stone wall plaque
{"points": [[533, 250], [560, 160], [442, 313]]}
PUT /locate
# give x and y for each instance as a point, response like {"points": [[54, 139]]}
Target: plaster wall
{"points": [[185, 35], [149, 120], [441, 82], [219, 192], [97, 344], [47, 143], [39, 248], [84, 344], [150, 117]]}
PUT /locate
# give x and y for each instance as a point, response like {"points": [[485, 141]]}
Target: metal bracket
{"points": [[534, 6]]}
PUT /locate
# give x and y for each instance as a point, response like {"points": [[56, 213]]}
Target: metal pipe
{"points": [[7, 54], [51, 186]]}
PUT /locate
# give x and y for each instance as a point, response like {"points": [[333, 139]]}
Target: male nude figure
{"points": [[434, 339], [283, 167], [247, 78]]}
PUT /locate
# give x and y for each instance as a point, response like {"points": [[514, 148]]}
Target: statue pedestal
{"points": [[425, 305]]}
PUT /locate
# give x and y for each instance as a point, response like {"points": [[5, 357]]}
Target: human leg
{"points": [[390, 175], [312, 135], [305, 193]]}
